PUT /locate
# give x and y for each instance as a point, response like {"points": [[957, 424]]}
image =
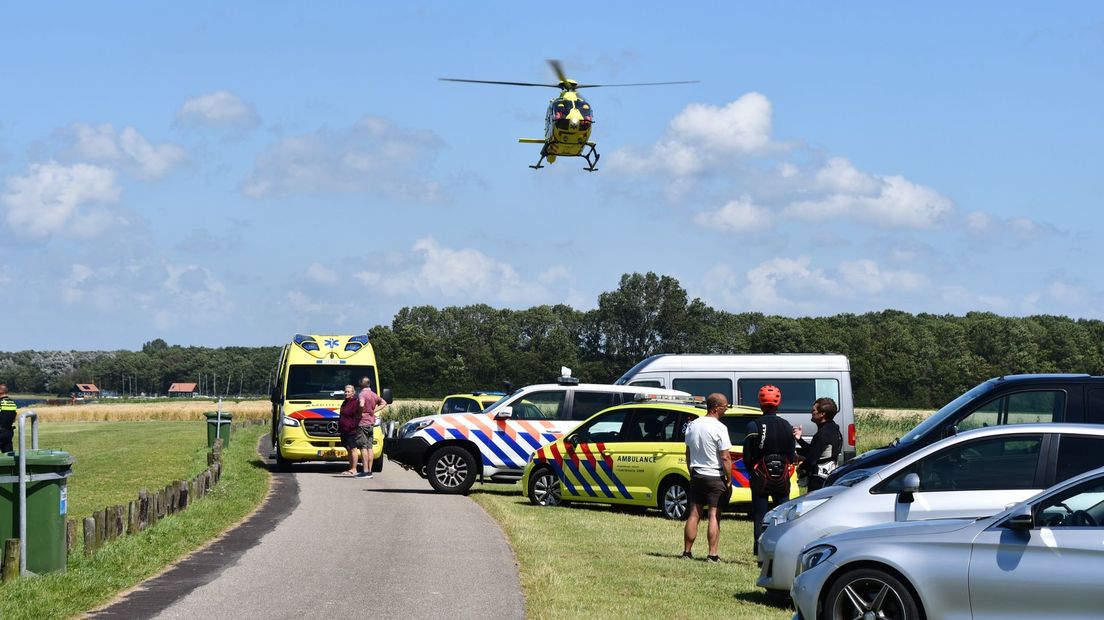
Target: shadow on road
{"points": [[403, 491], [778, 601]]}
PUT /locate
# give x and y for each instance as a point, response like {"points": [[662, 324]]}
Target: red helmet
{"points": [[770, 396]]}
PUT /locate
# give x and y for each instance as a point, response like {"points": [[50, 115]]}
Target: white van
{"points": [[802, 377]]}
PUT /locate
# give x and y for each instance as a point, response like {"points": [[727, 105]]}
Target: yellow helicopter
{"points": [[569, 119]]}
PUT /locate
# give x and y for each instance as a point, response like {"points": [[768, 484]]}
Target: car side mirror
{"points": [[1021, 520], [385, 394], [505, 413], [910, 485], [571, 441], [950, 430]]}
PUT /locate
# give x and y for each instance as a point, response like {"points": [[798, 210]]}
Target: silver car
{"points": [[1042, 558], [973, 474]]}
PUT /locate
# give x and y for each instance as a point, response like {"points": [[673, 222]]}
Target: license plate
{"points": [[333, 453]]}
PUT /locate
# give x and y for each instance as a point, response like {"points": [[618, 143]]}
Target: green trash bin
{"points": [[215, 428], [47, 505]]}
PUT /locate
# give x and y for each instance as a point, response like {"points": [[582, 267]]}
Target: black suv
{"points": [[1014, 399]]}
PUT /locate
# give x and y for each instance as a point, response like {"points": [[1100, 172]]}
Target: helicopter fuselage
{"points": [[567, 125]]}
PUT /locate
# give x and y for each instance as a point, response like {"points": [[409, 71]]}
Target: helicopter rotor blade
{"points": [[497, 82], [639, 84], [557, 67]]}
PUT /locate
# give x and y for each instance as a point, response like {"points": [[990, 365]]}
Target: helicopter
{"points": [[569, 119]]}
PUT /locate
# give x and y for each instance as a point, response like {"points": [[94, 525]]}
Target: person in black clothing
{"points": [[769, 441], [822, 453], [7, 419]]}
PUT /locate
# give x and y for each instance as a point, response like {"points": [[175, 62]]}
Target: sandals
{"points": [[348, 474]]}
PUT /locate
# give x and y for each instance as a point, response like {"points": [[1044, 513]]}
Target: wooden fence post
{"points": [[101, 525], [70, 535], [132, 517], [11, 560], [143, 509], [89, 535]]}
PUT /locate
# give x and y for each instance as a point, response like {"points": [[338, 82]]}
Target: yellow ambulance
{"points": [[635, 455], [310, 384]]}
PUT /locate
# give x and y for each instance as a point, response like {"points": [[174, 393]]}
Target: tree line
{"points": [[897, 359]]}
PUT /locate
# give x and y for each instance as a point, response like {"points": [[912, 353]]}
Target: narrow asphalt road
{"points": [[388, 547]]}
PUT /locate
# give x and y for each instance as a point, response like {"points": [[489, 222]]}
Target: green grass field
{"points": [[600, 561], [116, 459], [106, 465]]}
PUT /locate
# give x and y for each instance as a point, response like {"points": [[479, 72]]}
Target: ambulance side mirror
{"points": [[385, 394]]}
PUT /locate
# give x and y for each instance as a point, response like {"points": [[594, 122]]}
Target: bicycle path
{"points": [[329, 546]]}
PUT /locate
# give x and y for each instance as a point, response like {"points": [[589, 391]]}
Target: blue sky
{"points": [[217, 176]]}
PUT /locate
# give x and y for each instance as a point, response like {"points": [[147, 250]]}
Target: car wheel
{"points": [[451, 470], [674, 498], [870, 593], [377, 464], [544, 488]]}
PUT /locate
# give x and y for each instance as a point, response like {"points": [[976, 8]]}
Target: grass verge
{"points": [[93, 581], [597, 561]]}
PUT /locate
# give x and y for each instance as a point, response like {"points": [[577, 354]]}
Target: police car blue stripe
{"points": [[486, 442], [601, 483], [456, 433], [579, 475], [616, 481], [563, 477], [522, 452], [432, 432], [533, 441], [549, 437]]}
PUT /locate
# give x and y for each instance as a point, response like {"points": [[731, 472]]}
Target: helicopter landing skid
{"points": [[592, 156]]}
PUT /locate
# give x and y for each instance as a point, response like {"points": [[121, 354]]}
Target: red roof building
{"points": [[182, 389]]}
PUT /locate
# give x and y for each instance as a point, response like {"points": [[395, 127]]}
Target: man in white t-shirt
{"points": [[710, 465]]}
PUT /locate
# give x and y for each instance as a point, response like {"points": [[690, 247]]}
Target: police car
{"points": [[634, 454], [452, 451]]}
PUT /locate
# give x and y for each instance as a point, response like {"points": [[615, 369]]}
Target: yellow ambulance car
{"points": [[310, 385], [635, 455]]}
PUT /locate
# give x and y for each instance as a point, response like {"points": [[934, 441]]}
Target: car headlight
{"points": [[290, 421], [794, 509], [815, 555], [413, 427]]}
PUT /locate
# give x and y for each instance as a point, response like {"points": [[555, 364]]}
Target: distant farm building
{"points": [[186, 390], [86, 390]]}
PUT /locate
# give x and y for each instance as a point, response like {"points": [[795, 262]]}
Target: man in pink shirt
{"points": [[370, 406]]}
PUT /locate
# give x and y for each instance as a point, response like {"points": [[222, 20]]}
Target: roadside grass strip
{"points": [[95, 580], [584, 561], [608, 562]]}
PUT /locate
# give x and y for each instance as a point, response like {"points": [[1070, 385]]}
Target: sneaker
{"points": [[365, 475], [686, 555], [713, 559]]}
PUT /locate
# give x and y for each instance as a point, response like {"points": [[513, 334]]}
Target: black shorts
{"points": [[708, 491], [351, 441]]}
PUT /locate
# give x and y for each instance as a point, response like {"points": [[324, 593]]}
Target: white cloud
{"points": [[866, 277], [1015, 229], [322, 275], [127, 149], [49, 197], [895, 202], [220, 109], [840, 176], [461, 275], [373, 156], [701, 135], [738, 216]]}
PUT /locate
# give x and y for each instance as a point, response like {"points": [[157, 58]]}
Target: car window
{"points": [[1081, 506], [647, 424], [1078, 454], [586, 404], [987, 464], [603, 428], [1017, 408], [459, 404], [649, 383], [704, 387], [539, 406], [737, 428], [798, 395], [1094, 414]]}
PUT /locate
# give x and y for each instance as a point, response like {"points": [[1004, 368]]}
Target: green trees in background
{"points": [[897, 359]]}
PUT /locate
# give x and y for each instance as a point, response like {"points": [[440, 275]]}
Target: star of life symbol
{"points": [[331, 342]]}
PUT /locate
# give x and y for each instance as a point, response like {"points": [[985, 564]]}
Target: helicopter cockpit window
{"points": [[561, 108], [584, 109]]}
